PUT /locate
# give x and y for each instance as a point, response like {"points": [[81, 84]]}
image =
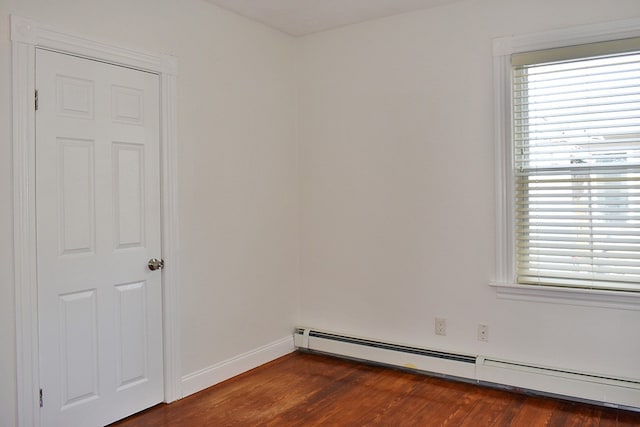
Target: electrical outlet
{"points": [[483, 333], [441, 326]]}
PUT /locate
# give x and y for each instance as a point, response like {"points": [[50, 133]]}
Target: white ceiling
{"points": [[300, 17]]}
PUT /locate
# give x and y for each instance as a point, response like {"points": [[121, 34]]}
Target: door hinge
{"points": [[36, 100], [41, 399]]}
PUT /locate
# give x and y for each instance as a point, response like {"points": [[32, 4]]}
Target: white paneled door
{"points": [[98, 224]]}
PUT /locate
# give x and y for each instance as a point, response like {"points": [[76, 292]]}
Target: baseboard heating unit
{"points": [[593, 388]]}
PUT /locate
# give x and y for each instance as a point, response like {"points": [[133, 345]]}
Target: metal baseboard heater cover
{"points": [[438, 362], [592, 388]]}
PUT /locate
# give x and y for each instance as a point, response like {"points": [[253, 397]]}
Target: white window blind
{"points": [[576, 136]]}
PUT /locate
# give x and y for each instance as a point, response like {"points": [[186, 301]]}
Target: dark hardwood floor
{"points": [[304, 389]]}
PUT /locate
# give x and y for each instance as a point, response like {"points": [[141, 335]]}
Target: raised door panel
{"points": [[128, 187], [127, 105], [74, 97], [133, 337], [76, 194], [78, 330]]}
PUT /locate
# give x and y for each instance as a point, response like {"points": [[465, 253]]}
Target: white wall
{"points": [[398, 188], [237, 169]]}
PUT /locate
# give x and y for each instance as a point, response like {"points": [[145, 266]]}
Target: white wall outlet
{"points": [[441, 326], [483, 333]]}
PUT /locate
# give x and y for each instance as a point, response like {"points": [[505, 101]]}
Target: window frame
{"points": [[504, 281]]}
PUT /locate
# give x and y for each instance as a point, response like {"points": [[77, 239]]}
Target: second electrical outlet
{"points": [[483, 333], [441, 326]]}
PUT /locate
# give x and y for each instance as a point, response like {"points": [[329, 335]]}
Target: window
{"points": [[576, 149], [570, 164]]}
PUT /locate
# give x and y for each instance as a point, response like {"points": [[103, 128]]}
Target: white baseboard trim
{"points": [[214, 374]]}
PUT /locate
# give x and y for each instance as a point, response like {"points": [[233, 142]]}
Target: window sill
{"points": [[620, 300]]}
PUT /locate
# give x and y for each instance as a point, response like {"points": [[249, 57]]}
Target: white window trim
{"points": [[504, 282], [26, 36]]}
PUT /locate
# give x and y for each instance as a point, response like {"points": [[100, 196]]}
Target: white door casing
{"points": [[26, 36], [98, 223]]}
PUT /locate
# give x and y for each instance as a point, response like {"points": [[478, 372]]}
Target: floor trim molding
{"points": [[214, 374]]}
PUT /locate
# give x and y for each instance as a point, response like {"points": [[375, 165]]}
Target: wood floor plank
{"points": [[494, 408], [303, 389]]}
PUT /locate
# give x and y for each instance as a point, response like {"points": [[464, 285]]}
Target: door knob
{"points": [[156, 264]]}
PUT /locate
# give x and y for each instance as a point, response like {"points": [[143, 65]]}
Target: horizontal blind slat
{"points": [[521, 106], [579, 284], [602, 255]]}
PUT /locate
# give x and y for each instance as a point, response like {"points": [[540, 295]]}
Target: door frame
{"points": [[27, 36]]}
